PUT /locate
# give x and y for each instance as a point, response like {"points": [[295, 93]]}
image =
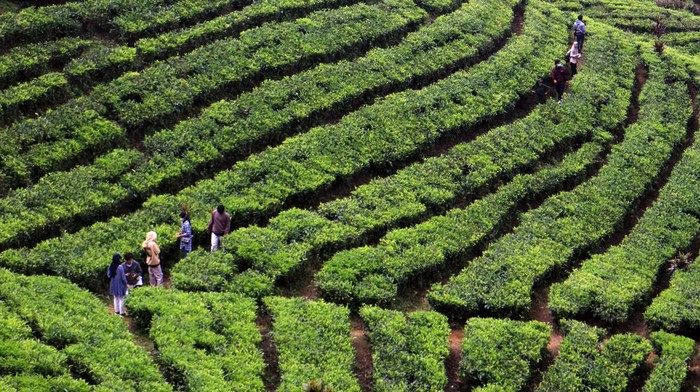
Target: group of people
{"points": [[559, 73], [128, 274]]}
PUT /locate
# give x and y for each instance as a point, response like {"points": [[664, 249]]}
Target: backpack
{"points": [[567, 56]]}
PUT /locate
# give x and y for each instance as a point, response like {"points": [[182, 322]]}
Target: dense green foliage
{"points": [[584, 363], [568, 223], [74, 329], [367, 150], [671, 368], [610, 284], [408, 352], [499, 354], [207, 342], [313, 343]]}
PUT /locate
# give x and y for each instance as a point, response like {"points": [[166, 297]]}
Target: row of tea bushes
{"points": [[371, 274], [264, 183], [675, 308], [408, 351], [587, 363], [166, 89], [313, 343], [671, 368], [160, 212], [278, 108], [636, 15], [398, 259], [182, 40], [95, 344], [374, 274], [121, 18], [170, 87], [205, 342], [272, 108], [104, 63], [572, 223], [150, 20], [611, 284], [500, 354], [30, 96], [29, 61]]}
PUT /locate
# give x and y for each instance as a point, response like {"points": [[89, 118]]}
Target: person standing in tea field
{"points": [[155, 273], [185, 234], [579, 32], [559, 78], [117, 284], [574, 56], [133, 271], [219, 225]]}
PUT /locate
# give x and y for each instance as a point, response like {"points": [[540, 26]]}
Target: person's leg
{"points": [[579, 39], [158, 273], [151, 276], [214, 242], [118, 302], [573, 69], [560, 90]]}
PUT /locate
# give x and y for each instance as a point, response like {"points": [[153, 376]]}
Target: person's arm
{"points": [[121, 275], [155, 249], [211, 223], [137, 268], [227, 226], [109, 273], [554, 75]]}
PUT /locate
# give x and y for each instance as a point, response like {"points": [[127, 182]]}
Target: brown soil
{"points": [[363, 354], [454, 381], [271, 375]]}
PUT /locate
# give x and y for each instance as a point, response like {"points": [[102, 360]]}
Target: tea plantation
{"points": [[407, 214]]}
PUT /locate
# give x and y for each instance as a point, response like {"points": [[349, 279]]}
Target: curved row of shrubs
{"points": [[165, 90], [570, 224], [611, 284], [160, 212], [272, 110], [374, 274]]}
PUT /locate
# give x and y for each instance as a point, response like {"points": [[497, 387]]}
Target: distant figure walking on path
{"points": [[579, 32], [185, 234], [559, 78], [117, 284], [574, 56], [219, 225], [155, 273]]}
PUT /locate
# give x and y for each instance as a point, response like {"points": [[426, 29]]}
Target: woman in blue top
{"points": [[117, 283], [185, 234]]}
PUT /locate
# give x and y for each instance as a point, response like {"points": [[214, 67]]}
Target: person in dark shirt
{"points": [[219, 225], [580, 32], [133, 271], [540, 90], [559, 78]]}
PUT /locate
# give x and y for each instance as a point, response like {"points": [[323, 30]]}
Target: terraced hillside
{"points": [[406, 214]]}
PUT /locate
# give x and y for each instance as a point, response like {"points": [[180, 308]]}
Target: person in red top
{"points": [[219, 225], [559, 78]]}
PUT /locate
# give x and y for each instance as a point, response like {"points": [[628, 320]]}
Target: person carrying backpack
{"points": [[559, 78], [579, 32]]}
